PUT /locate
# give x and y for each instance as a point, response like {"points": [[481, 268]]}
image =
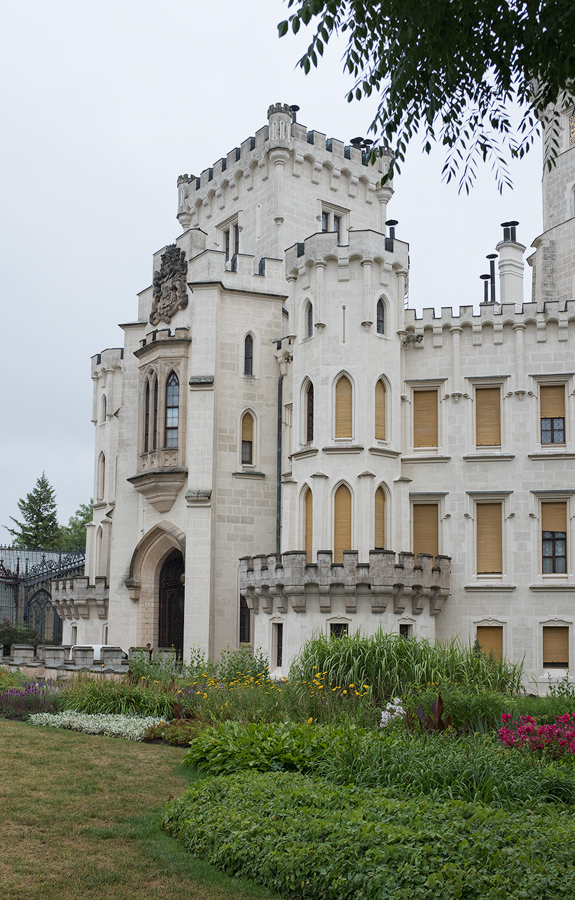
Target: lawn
{"points": [[81, 819]]}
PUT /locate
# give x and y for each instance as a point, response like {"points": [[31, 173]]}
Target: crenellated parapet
{"points": [[280, 581], [76, 598], [361, 244]]}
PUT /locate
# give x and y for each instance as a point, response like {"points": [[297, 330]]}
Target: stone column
{"points": [[367, 317], [319, 293], [455, 332], [519, 330]]}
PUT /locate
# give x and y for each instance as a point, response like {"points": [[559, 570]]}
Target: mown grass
{"points": [[81, 820]]}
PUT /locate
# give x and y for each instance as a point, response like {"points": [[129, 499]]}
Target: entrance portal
{"points": [[171, 620]]}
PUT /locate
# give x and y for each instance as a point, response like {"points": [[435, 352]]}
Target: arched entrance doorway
{"points": [[171, 611]]}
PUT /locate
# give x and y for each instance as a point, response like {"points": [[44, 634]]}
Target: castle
{"points": [[283, 449]]}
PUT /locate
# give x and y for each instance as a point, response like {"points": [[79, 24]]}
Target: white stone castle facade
{"points": [[283, 449]]}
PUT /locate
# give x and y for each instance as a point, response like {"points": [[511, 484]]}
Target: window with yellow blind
{"points": [[247, 439], [343, 408], [488, 417], [308, 509], [425, 528], [341, 523], [380, 411], [425, 419], [555, 646], [552, 412], [379, 542], [489, 522], [554, 537], [490, 639]]}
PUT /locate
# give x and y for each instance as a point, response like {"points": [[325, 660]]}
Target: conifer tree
{"points": [[74, 533], [40, 529]]}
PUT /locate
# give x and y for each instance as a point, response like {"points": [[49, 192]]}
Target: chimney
{"points": [[510, 265]]}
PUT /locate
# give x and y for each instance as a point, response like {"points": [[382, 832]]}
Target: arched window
{"points": [[379, 542], [245, 631], [309, 320], [380, 411], [101, 476], [247, 439], [308, 506], [103, 410], [343, 408], [147, 418], [249, 355], [341, 523], [380, 317], [151, 415], [155, 413], [309, 414], [172, 411]]}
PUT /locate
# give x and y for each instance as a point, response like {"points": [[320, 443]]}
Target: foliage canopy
{"points": [[454, 69], [40, 529]]}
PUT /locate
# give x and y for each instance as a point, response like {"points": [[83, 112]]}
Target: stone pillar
{"points": [[367, 316], [384, 193], [519, 330], [455, 331], [319, 293]]}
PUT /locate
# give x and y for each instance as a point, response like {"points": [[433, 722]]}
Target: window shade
{"points": [[552, 401], [554, 516], [342, 523], [556, 646], [489, 538], [343, 408], [379, 519], [247, 428], [490, 638], [380, 411], [425, 528], [488, 417], [425, 419], [308, 524]]}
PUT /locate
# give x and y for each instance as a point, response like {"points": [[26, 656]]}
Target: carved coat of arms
{"points": [[169, 285]]}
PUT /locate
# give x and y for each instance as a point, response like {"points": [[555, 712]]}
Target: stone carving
{"points": [[170, 291]]}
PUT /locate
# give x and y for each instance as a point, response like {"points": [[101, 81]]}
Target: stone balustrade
{"points": [[275, 582]]}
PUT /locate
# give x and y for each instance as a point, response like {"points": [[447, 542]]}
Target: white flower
{"points": [[393, 710]]}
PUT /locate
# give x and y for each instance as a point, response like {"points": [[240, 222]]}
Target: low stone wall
{"points": [[60, 663]]}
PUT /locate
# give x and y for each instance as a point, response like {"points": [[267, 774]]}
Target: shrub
{"points": [[11, 679], [178, 733], [393, 665], [19, 701], [231, 747], [131, 728], [17, 634], [305, 838], [554, 740], [91, 695]]}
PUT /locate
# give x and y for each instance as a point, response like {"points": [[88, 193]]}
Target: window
{"points": [[249, 355], [338, 629], [308, 507], [101, 476], [231, 240], [341, 523], [489, 520], [278, 640], [554, 537], [426, 528], [488, 417], [555, 647], [309, 414], [405, 630], [151, 415], [552, 409], [380, 411], [245, 631], [380, 317], [343, 408], [247, 439], [103, 410], [172, 411], [309, 320], [490, 639], [379, 542], [425, 419], [332, 221]]}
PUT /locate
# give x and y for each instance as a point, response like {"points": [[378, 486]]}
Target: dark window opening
{"points": [[147, 418], [404, 630], [380, 317], [338, 629], [279, 639], [247, 453], [553, 430], [249, 355], [309, 323], [325, 221], [245, 622], [554, 552], [309, 415]]}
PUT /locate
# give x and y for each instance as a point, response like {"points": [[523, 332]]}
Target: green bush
{"points": [[393, 666], [91, 695], [17, 634], [305, 838], [482, 710], [231, 747], [11, 679]]}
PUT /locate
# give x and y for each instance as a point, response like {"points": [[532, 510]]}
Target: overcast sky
{"points": [[105, 104]]}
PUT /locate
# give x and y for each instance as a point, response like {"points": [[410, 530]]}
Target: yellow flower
{"points": [[310, 720], [344, 692]]}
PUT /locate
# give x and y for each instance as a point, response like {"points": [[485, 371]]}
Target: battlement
{"points": [[75, 597], [361, 244], [160, 335], [280, 133], [279, 580], [112, 358], [502, 313]]}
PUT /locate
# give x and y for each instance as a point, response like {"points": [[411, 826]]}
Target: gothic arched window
{"points": [[247, 439], [172, 411], [309, 414], [249, 355], [380, 317], [309, 320], [343, 408]]}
